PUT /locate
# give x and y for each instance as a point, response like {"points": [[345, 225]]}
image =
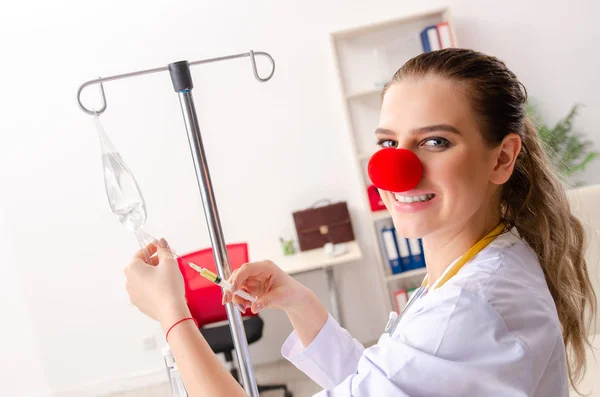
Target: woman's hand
{"points": [[273, 287], [157, 288]]}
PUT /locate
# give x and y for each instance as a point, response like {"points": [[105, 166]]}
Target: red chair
{"points": [[204, 297], [204, 301]]}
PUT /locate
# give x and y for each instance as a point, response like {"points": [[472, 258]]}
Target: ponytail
{"points": [[535, 202]]}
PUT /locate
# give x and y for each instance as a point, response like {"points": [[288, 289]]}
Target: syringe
{"points": [[147, 238], [210, 276]]}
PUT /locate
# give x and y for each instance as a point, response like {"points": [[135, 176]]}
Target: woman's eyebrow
{"points": [[384, 131], [437, 127], [421, 130]]}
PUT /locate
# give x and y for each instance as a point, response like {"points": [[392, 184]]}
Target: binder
{"points": [[430, 39], [388, 240], [404, 251], [401, 299], [422, 253], [445, 35], [416, 254]]}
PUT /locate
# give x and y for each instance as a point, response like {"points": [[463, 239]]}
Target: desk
{"points": [[308, 261]]}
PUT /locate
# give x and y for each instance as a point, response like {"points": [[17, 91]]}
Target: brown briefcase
{"points": [[317, 226]]}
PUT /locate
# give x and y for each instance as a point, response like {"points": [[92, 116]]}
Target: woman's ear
{"points": [[507, 154]]}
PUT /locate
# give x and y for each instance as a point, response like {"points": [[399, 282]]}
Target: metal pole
{"points": [[333, 295], [182, 82]]}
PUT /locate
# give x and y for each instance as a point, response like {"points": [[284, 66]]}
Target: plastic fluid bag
{"points": [[122, 190]]}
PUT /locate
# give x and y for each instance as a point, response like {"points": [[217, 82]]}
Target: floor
{"points": [[279, 372]]}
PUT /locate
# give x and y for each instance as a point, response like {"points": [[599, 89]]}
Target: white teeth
{"points": [[413, 199]]}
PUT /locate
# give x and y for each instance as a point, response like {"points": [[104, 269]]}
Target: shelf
{"points": [[378, 26], [408, 274], [383, 214], [365, 93], [306, 261], [362, 56]]}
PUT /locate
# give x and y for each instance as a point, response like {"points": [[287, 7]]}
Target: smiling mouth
{"points": [[413, 199]]}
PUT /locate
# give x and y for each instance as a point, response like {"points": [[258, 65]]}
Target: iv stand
{"points": [[182, 83]]}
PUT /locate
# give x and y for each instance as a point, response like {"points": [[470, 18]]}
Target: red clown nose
{"points": [[395, 170]]}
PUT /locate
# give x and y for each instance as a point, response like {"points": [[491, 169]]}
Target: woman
{"points": [[504, 301]]}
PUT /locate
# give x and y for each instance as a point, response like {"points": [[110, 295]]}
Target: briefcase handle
{"points": [[324, 201], [323, 229]]}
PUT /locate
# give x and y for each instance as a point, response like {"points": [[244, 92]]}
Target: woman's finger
{"points": [[151, 251], [247, 270], [136, 267], [154, 260], [237, 300], [251, 284], [164, 251], [226, 297], [258, 305]]}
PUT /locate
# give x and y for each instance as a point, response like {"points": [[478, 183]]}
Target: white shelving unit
{"points": [[365, 58]]}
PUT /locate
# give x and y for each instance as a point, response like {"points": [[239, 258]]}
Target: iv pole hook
{"points": [[102, 95], [255, 70], [99, 81]]}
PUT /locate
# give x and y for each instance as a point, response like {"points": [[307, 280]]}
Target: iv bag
{"points": [[123, 193]]}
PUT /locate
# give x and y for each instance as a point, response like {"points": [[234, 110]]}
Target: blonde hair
{"points": [[534, 199]]}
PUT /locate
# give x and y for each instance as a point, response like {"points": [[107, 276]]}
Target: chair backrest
{"points": [[585, 204], [204, 297]]}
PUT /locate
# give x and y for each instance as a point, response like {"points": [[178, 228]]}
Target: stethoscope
{"points": [[400, 170], [395, 318]]}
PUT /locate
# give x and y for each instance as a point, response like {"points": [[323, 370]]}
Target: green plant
{"points": [[568, 150]]}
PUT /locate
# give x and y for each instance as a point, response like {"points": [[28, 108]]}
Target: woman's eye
{"points": [[436, 142], [386, 143]]}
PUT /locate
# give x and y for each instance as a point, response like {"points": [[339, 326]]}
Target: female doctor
{"points": [[502, 308]]}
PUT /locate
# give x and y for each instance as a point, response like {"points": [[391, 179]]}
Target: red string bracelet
{"points": [[180, 321]]}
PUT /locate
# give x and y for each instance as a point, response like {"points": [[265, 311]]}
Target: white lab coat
{"points": [[491, 330]]}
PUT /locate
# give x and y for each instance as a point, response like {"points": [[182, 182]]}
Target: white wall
{"points": [[272, 148], [22, 371]]}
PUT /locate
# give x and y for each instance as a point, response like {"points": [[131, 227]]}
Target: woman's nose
{"points": [[395, 170]]}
